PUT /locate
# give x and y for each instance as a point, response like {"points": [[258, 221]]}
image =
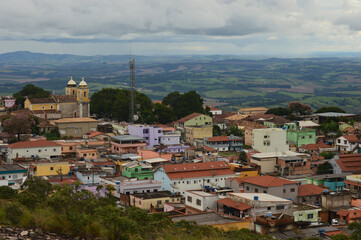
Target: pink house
{"points": [[127, 144], [9, 102]]}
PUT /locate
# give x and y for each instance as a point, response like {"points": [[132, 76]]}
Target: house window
{"points": [[189, 199], [136, 170], [264, 191], [199, 202], [268, 208], [84, 94], [140, 203], [247, 188], [51, 106], [188, 182], [256, 190], [292, 190], [54, 149], [159, 202], [84, 154], [39, 150], [339, 141], [73, 92], [284, 190], [310, 216], [310, 136], [195, 181], [280, 207]]}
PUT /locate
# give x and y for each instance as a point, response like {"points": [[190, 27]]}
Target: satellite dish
{"points": [[135, 117]]}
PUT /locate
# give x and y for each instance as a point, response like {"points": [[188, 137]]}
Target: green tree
{"points": [[330, 126], [14, 213], [325, 168], [330, 109], [30, 91], [171, 99], [327, 155], [7, 192], [217, 130], [163, 113], [356, 227], [242, 157], [234, 130], [114, 104], [279, 111]]}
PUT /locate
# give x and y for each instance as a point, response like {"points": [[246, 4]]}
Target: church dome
{"points": [[71, 83], [83, 84]]}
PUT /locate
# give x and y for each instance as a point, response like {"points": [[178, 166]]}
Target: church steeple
{"points": [[71, 87]]}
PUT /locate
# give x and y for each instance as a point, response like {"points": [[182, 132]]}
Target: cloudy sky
{"points": [[160, 27]]}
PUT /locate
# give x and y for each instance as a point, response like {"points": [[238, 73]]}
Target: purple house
{"points": [[152, 134]]}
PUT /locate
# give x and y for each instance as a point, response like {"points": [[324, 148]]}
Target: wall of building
{"points": [[301, 137], [267, 164], [145, 204], [289, 191], [41, 152], [201, 120], [150, 133], [51, 169], [270, 140], [76, 129], [305, 215], [202, 203], [193, 133]]}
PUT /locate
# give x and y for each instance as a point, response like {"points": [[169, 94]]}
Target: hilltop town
{"points": [[280, 173]]}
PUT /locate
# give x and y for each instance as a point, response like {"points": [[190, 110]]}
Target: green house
{"points": [[195, 119], [301, 137], [137, 170], [305, 213]]}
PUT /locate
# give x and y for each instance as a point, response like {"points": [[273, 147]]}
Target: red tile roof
{"points": [[342, 212], [316, 146], [349, 162], [209, 149], [351, 138], [233, 204], [267, 181], [309, 190], [33, 144], [92, 133], [186, 167], [218, 139], [189, 117], [356, 202], [203, 173], [193, 170]]}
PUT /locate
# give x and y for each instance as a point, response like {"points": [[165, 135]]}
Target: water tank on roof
{"points": [[117, 183], [284, 128], [255, 198], [321, 231]]}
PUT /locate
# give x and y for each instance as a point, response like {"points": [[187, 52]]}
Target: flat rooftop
{"points": [[210, 218], [276, 154], [150, 195], [202, 193], [334, 114], [263, 197]]}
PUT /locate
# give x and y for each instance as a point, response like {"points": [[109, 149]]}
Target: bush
{"points": [[7, 192], [14, 213]]}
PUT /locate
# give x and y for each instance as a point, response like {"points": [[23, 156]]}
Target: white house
{"points": [[347, 143], [11, 173], [215, 111], [270, 140], [31, 149], [201, 200], [178, 178]]}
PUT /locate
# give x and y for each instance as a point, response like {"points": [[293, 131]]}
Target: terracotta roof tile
{"points": [[188, 167], [218, 139], [65, 98], [209, 149], [200, 173], [72, 120], [267, 181], [356, 202], [41, 100], [342, 212], [148, 154], [309, 190], [349, 162], [237, 179], [233, 204], [351, 138], [92, 133], [33, 144]]}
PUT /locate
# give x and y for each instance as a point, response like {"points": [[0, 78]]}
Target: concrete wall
{"points": [[289, 191], [270, 140], [41, 152], [202, 203], [76, 129]]}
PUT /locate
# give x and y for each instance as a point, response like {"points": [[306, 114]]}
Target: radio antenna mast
{"points": [[132, 83]]}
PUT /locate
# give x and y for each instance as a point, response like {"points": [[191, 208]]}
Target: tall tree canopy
{"points": [[330, 109], [184, 104], [300, 108], [114, 103], [31, 91], [163, 113], [18, 124], [279, 111]]}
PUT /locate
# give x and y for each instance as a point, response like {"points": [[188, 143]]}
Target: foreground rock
{"points": [[29, 234]]}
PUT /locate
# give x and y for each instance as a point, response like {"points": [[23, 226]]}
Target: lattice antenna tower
{"points": [[132, 84]]}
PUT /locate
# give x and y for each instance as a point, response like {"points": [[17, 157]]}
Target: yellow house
{"points": [[50, 169], [147, 200], [243, 171], [198, 133], [75, 102]]}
